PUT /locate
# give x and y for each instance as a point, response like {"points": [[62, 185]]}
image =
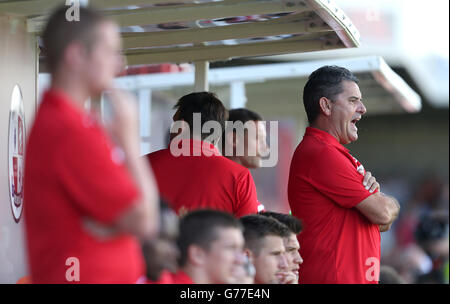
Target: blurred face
{"points": [[104, 60], [225, 256], [256, 143], [162, 254], [346, 110], [246, 273], [292, 249], [271, 264]]}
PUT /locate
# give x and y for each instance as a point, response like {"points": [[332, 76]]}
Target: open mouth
{"points": [[354, 121]]}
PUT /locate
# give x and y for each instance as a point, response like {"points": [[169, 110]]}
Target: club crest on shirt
{"points": [[359, 166]]}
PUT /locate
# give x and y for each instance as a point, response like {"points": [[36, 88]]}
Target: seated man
{"points": [[211, 249], [247, 148], [290, 242], [162, 252], [199, 176], [265, 247]]}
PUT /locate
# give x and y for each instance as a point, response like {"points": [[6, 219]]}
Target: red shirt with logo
{"points": [[208, 180], [72, 173], [338, 243]]}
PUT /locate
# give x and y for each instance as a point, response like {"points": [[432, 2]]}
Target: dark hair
{"points": [[432, 227], [293, 223], [207, 104], [324, 82], [257, 227], [243, 115], [200, 227], [59, 33]]}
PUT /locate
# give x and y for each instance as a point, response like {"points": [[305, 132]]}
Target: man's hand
{"points": [[142, 217], [384, 228], [124, 125], [370, 182], [287, 277]]}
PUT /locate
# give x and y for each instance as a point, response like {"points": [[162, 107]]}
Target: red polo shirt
{"points": [[338, 243], [180, 277], [208, 180], [73, 173]]}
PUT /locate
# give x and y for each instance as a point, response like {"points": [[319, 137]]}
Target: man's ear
{"points": [[196, 255], [249, 254], [325, 106], [74, 54]]}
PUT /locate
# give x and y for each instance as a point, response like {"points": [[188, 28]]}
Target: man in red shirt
{"points": [[191, 173], [79, 185], [248, 147], [290, 242], [211, 249], [264, 245], [340, 204]]}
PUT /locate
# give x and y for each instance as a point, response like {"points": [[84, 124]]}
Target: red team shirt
{"points": [[71, 173], [338, 243], [167, 277], [194, 182]]}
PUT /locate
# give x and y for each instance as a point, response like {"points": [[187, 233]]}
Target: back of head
{"points": [[324, 82], [59, 33], [293, 223], [209, 107], [432, 234], [243, 115], [201, 228], [257, 227]]}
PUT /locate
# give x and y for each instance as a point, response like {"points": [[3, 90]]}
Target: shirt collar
{"points": [[184, 277], [200, 147], [61, 99], [324, 137]]}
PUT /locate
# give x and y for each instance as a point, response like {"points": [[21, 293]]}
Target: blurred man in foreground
{"points": [[80, 185]]}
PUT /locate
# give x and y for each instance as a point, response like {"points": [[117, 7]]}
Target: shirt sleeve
{"points": [[247, 201], [335, 176], [93, 176]]}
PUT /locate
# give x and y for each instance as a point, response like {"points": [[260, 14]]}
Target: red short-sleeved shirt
{"points": [[72, 173], [205, 181], [179, 277], [338, 243]]}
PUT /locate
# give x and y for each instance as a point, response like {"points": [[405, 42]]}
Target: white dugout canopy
{"points": [[178, 31], [203, 31]]}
